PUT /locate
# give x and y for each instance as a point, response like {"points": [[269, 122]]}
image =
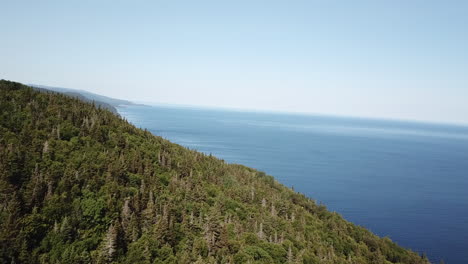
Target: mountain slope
{"points": [[99, 100], [79, 184]]}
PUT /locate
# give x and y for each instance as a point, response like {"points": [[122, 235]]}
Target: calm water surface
{"points": [[408, 181]]}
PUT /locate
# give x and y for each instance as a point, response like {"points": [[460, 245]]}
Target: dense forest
{"points": [[79, 184]]}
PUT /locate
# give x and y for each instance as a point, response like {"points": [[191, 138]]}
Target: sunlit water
{"points": [[408, 181]]}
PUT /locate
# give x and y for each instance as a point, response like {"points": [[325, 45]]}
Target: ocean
{"points": [[404, 180]]}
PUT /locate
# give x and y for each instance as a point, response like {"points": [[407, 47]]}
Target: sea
{"points": [[404, 180]]}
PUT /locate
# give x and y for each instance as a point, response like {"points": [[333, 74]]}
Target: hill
{"points": [[79, 184], [99, 100]]}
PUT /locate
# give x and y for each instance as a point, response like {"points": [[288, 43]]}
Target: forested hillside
{"points": [[98, 100], [79, 184]]}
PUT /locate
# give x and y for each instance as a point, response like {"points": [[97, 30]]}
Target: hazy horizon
{"points": [[233, 109], [387, 60]]}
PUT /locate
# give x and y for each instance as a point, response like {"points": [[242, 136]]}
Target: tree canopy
{"points": [[79, 184]]}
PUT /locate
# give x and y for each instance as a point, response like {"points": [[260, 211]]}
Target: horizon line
{"points": [[273, 111], [300, 113]]}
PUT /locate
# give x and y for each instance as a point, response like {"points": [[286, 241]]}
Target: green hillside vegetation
{"points": [[79, 184]]}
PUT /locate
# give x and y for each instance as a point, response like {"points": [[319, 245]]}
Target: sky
{"points": [[395, 59]]}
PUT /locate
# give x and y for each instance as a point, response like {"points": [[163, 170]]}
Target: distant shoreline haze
{"points": [[122, 102], [251, 110]]}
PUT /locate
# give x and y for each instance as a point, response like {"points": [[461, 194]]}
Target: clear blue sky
{"points": [[391, 59]]}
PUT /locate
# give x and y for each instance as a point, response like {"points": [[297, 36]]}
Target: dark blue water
{"points": [[408, 181]]}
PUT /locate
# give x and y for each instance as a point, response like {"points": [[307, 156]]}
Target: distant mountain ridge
{"points": [[100, 100]]}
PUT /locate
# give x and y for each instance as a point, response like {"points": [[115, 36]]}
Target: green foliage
{"points": [[92, 210], [79, 184], [257, 254]]}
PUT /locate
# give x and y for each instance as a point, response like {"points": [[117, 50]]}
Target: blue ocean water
{"points": [[408, 181]]}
